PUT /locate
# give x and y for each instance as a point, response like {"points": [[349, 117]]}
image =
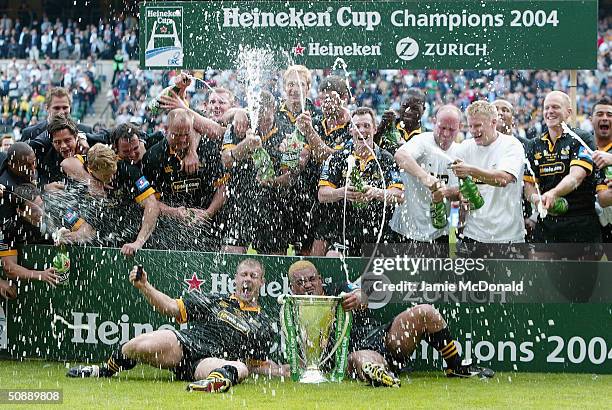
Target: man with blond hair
{"points": [[563, 168], [494, 161], [116, 186]]}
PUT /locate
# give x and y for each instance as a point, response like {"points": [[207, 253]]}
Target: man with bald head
{"points": [[563, 167], [376, 348], [192, 199], [505, 119], [424, 164]]}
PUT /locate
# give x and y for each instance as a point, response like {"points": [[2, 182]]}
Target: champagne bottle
{"points": [[469, 190], [263, 164], [61, 263], [153, 106], [608, 172], [291, 157], [358, 184], [559, 207], [437, 212], [391, 137]]}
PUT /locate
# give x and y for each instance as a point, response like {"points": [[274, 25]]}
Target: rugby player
{"points": [[226, 333], [121, 186], [376, 348], [383, 187], [602, 127], [563, 168]]}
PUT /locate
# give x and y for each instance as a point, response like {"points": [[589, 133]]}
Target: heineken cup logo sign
{"points": [[406, 34], [164, 36]]}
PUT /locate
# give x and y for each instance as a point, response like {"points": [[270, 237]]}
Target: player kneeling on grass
{"points": [[232, 328], [376, 348]]}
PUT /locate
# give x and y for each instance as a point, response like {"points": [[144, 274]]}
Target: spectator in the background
{"points": [[63, 51], [5, 143], [34, 45]]}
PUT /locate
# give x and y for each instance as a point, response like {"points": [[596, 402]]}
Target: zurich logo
{"points": [[407, 49]]}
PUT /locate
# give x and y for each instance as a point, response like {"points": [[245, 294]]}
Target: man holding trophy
{"points": [[376, 348]]}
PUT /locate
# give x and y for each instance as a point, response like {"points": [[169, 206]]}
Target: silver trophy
{"points": [[307, 322]]}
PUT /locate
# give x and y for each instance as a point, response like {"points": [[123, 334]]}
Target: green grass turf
{"points": [[148, 388]]}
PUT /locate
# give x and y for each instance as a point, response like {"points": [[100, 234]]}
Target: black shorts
{"points": [[376, 340], [193, 353], [262, 226], [568, 229]]}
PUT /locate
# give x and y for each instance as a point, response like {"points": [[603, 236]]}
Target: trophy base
{"points": [[313, 377]]}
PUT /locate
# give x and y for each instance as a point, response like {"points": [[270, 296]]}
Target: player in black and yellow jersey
{"points": [[113, 188], [225, 334], [363, 223], [63, 133], [191, 199], [601, 119], [21, 213], [408, 124], [301, 193], [325, 135], [563, 167], [254, 209]]}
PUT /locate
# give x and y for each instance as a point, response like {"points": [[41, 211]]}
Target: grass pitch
{"points": [[148, 388]]}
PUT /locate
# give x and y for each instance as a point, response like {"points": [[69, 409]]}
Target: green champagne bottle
{"points": [[263, 163], [391, 137], [61, 263], [469, 190], [291, 157], [437, 212], [358, 184], [559, 207], [153, 106], [290, 250]]}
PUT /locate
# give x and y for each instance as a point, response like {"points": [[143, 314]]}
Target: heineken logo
{"points": [[298, 50], [298, 18], [194, 283], [89, 329], [161, 14]]}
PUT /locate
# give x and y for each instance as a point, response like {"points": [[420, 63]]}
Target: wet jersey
{"points": [[551, 162], [224, 327], [163, 168]]}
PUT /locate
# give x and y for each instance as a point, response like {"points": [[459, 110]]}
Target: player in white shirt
{"points": [[424, 162], [495, 162]]}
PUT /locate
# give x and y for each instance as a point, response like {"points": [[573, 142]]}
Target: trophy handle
{"points": [[339, 340]]}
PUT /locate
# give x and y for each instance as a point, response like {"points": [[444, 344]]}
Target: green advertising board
{"points": [[100, 309], [410, 34]]}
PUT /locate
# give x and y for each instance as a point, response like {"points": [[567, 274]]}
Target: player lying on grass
{"points": [[376, 348], [225, 334]]}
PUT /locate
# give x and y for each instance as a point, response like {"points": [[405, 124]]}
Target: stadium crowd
{"points": [[29, 37]]}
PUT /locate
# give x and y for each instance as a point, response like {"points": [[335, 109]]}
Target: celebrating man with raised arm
{"points": [[225, 334]]}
